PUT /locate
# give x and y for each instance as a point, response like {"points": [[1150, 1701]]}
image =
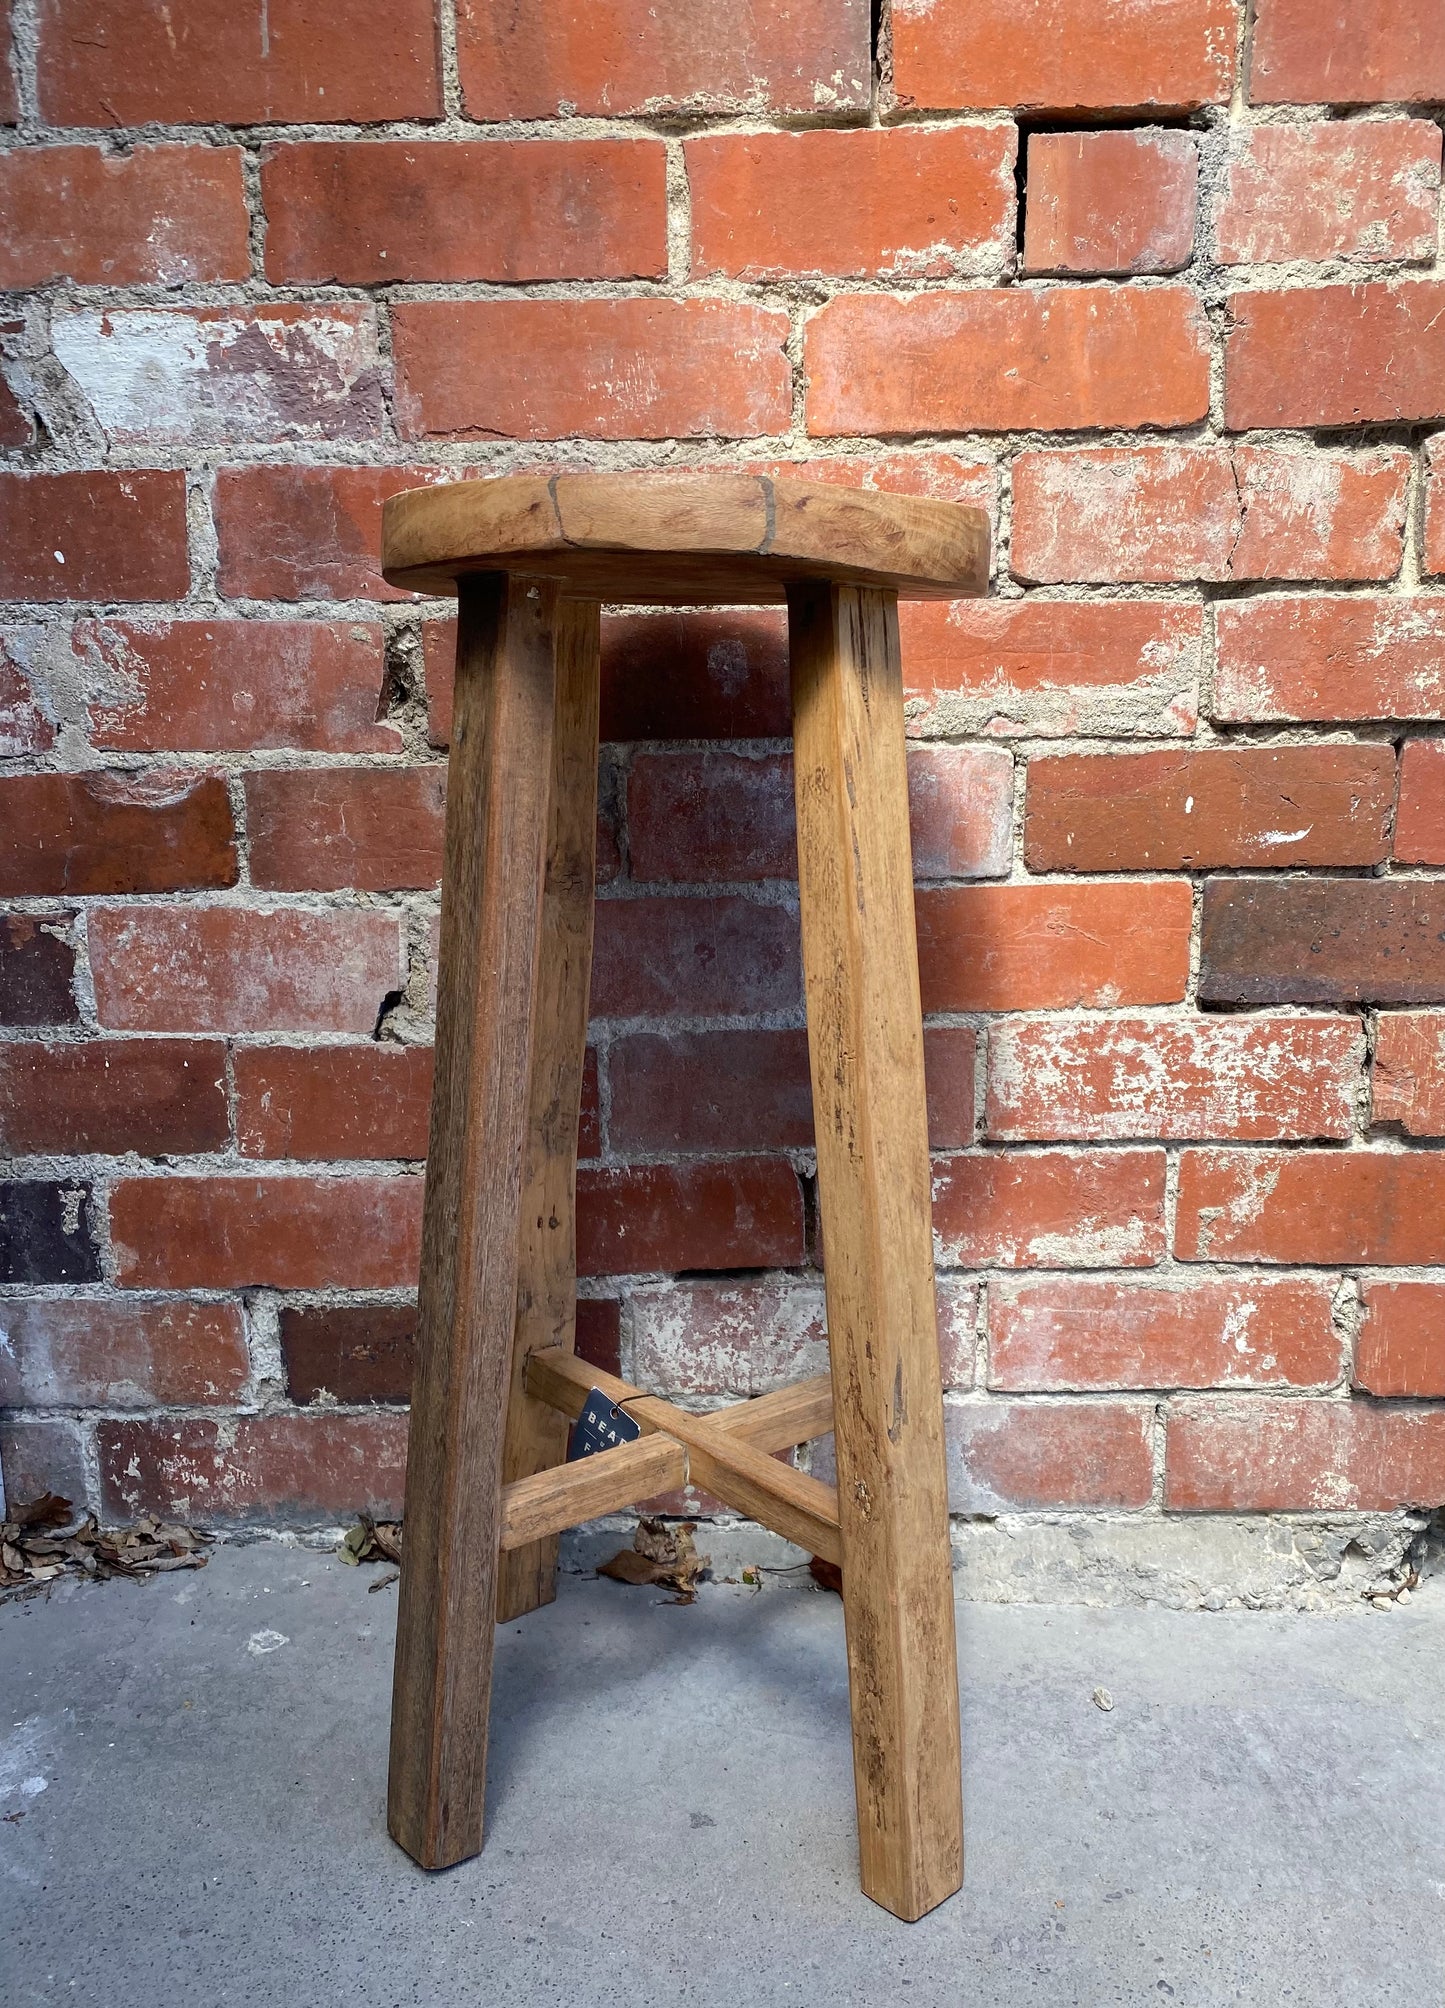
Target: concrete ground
{"points": [[192, 1784]]}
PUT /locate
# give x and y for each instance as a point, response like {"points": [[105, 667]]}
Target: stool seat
{"points": [[683, 540]]}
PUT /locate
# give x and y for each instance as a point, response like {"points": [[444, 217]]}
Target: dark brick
{"points": [[37, 970], [1323, 941], [99, 833], [364, 1352], [36, 1243], [158, 1096]]}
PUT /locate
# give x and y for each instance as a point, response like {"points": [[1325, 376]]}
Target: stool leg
{"points": [[865, 1039], [498, 784], [547, 1250]]}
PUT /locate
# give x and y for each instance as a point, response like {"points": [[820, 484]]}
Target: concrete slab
{"points": [[198, 1764]]}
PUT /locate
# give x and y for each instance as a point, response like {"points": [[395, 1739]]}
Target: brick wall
{"points": [[1160, 291]]}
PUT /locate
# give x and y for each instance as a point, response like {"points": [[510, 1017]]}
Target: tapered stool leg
{"points": [[547, 1251], [498, 784], [865, 1039]]}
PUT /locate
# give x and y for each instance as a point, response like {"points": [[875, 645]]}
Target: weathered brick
{"points": [[93, 536], [923, 201], [156, 1096], [358, 212], [744, 1338], [128, 62], [1408, 1077], [659, 956], [282, 1233], [563, 56], [45, 1232], [159, 215], [235, 686], [37, 969], [156, 831], [213, 376], [1218, 513], [738, 1213], [1385, 342], [1052, 668], [1105, 202], [1064, 359], [597, 369], [1344, 55], [325, 829], [1323, 941], [1328, 656], [82, 1352], [17, 428], [1053, 947], [282, 1470], [321, 1102], [1366, 189], [1276, 1456], [26, 726], [9, 94], [307, 533], [1295, 1206], [751, 1090], [698, 818], [1091, 1332], [1401, 1347], [692, 676], [1064, 55], [947, 477], [1008, 1454], [234, 969], [1433, 555], [1247, 1078], [1210, 806], [42, 1454], [1420, 817], [1050, 1209]]}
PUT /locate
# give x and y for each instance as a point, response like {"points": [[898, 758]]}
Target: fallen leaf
{"points": [[663, 1553], [827, 1575]]}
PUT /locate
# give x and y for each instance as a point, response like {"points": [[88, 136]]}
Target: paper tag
{"points": [[602, 1425]]}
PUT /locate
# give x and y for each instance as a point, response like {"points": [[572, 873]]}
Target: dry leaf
{"points": [[32, 1555], [371, 1541], [827, 1575], [662, 1552]]}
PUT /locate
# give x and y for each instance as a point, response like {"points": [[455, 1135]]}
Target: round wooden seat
{"points": [[683, 540]]}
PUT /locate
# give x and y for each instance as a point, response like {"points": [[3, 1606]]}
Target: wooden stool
{"points": [[487, 1488]]}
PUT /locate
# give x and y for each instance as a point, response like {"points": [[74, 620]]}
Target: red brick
{"points": [[235, 686], [1063, 359], [25, 727], [946, 477], [1052, 947], [155, 831], [42, 1454], [93, 536], [747, 1338], [128, 62], [359, 212], [1420, 819], [1345, 55], [1008, 1454], [1052, 668], [1300, 1456], [598, 369], [1063, 55], [1322, 941], [37, 969], [751, 1090], [709, 817], [1101, 202], [1189, 512], [1409, 1071], [17, 428], [9, 94], [923, 201], [284, 1233], [1328, 657], [221, 376], [564, 56], [1386, 349], [234, 969], [1050, 1209], [324, 829], [657, 957], [740, 1213], [1433, 555], [308, 533], [160, 215], [1246, 1078], [109, 1353], [1201, 807], [589, 1118], [1090, 1332], [280, 1470], [1367, 189], [1298, 1206], [156, 1096], [1401, 1347], [363, 1352], [367, 1101]]}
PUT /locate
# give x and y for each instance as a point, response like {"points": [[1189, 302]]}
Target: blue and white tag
{"points": [[602, 1425]]}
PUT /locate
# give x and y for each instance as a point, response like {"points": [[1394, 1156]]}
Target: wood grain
{"points": [[496, 841], [865, 1041], [539, 1507]]}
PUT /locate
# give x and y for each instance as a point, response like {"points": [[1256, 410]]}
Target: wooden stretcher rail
{"points": [[567, 1494]]}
